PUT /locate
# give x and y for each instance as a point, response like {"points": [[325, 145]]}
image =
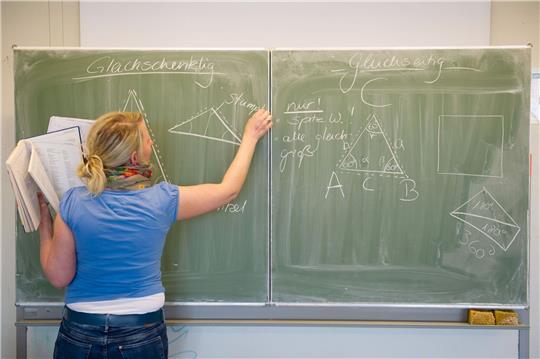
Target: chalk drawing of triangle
{"points": [[208, 125], [487, 216], [371, 152], [134, 104]]}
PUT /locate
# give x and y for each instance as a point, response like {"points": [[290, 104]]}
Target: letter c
{"points": [[362, 93], [364, 185]]}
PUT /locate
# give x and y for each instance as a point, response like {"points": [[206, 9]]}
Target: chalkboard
{"points": [[195, 104], [400, 176], [397, 176]]}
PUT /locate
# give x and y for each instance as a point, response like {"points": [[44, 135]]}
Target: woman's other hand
{"points": [[57, 247], [258, 124]]}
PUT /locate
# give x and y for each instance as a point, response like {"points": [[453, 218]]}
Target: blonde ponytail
{"points": [[92, 172], [111, 141]]}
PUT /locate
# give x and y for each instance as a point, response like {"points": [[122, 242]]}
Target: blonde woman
{"points": [[106, 242]]}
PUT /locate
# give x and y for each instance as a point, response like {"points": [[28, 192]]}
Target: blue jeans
{"points": [[77, 340]]}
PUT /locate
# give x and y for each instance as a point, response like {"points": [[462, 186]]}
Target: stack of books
{"points": [[47, 164]]}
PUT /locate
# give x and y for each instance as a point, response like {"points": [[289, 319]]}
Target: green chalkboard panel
{"points": [[400, 176], [195, 104]]}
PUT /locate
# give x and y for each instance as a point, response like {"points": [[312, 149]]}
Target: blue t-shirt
{"points": [[119, 238]]}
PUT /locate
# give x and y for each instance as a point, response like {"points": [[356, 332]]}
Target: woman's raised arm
{"points": [[203, 198]]}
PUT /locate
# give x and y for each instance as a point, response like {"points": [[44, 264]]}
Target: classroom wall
{"points": [[29, 23], [317, 341], [1, 131], [47, 23], [283, 24], [515, 23]]}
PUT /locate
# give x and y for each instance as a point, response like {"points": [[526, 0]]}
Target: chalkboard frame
{"points": [[290, 311], [283, 311]]}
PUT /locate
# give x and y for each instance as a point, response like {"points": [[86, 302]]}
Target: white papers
{"points": [[57, 123], [38, 173], [24, 187], [45, 163], [60, 152]]}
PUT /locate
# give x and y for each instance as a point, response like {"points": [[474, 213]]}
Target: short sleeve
{"points": [[66, 206], [169, 196]]}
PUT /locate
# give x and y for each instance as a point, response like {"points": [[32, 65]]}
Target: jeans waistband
{"points": [[113, 320]]}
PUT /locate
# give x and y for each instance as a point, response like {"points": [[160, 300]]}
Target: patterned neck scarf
{"points": [[130, 176]]}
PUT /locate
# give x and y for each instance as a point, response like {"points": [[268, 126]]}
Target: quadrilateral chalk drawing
{"points": [[486, 215], [479, 151], [371, 152]]}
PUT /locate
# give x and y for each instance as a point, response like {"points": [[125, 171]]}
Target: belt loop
{"points": [[107, 322]]}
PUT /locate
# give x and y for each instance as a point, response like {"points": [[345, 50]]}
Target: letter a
{"points": [[332, 185]]}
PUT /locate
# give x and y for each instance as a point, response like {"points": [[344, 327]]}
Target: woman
{"points": [[106, 242]]}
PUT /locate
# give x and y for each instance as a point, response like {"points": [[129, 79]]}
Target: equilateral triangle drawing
{"points": [[133, 103], [210, 125], [371, 152], [486, 215]]}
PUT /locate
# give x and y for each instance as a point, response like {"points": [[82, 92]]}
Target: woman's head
{"points": [[115, 139]]}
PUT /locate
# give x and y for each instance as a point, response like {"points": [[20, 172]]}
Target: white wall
{"points": [[29, 23], [310, 341], [270, 25], [1, 112], [519, 23]]}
